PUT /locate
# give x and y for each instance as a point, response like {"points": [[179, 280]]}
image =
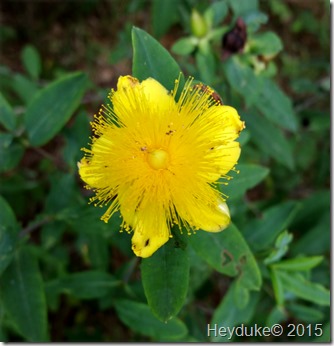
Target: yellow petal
{"points": [[150, 233], [218, 220], [229, 120], [152, 95], [86, 173], [92, 170], [201, 207], [213, 218], [156, 93]]}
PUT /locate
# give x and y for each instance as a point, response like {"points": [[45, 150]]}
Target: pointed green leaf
{"points": [[281, 247], [299, 263], [261, 233], [253, 20], [276, 106], [269, 139], [24, 87], [151, 59], [184, 45], [266, 44], [206, 64], [31, 61], [277, 287], [165, 277], [22, 294], [243, 80], [8, 234], [53, 106], [228, 253], [228, 314], [248, 176], [7, 116], [302, 288], [139, 317], [216, 12]]}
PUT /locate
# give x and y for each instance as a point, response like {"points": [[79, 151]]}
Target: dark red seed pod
{"points": [[234, 40]]}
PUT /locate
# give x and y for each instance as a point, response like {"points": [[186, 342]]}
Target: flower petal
{"points": [[92, 169], [150, 231], [132, 97], [211, 218], [201, 206]]}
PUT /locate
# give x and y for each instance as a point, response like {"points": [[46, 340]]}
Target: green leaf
{"points": [[261, 233], [276, 106], [241, 294], [11, 152], [8, 234], [266, 44], [281, 247], [22, 294], [138, 317], [305, 313], [206, 65], [53, 106], [254, 19], [184, 46], [243, 80], [228, 253], [165, 277], [24, 87], [89, 284], [277, 287], [269, 139], [164, 14], [7, 116], [299, 263], [200, 271], [302, 288], [230, 315], [31, 61], [151, 59], [249, 176], [241, 6], [216, 12]]}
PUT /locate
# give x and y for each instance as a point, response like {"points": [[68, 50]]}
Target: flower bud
{"points": [[198, 25]]}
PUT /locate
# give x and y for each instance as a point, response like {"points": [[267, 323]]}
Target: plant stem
{"points": [[35, 225]]}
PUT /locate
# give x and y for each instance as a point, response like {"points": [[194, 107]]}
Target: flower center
{"points": [[158, 159]]}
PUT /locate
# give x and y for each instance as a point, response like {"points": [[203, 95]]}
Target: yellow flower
{"points": [[157, 160]]}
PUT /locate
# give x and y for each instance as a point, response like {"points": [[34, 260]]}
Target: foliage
{"points": [[271, 265]]}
